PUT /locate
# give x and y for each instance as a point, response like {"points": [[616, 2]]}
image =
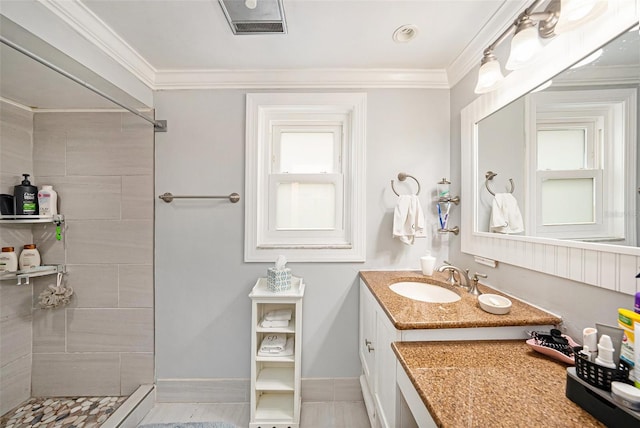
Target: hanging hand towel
{"points": [[505, 214], [408, 219]]}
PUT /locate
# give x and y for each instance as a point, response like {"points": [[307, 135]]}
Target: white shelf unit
{"points": [[275, 380]]}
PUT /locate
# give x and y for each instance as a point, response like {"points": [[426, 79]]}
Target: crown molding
{"points": [[309, 78], [91, 27], [472, 53]]}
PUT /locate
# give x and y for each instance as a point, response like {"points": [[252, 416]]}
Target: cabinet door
{"points": [[386, 393], [367, 335]]}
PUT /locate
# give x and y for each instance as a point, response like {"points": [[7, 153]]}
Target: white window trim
{"points": [[618, 107], [265, 110]]}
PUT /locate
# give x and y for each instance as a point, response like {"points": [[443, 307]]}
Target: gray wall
{"points": [[579, 305], [16, 131], [202, 309], [101, 165]]}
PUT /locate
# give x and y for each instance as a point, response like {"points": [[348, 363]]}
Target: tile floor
{"points": [[338, 414], [61, 412]]}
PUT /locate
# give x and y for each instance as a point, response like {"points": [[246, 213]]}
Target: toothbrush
{"points": [[440, 217]]}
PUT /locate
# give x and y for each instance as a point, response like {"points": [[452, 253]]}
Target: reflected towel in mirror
{"points": [[505, 214]]}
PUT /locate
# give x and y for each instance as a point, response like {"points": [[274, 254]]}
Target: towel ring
{"points": [[402, 176], [489, 176]]}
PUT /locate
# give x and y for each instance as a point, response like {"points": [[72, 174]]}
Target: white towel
{"points": [[275, 323], [288, 350], [279, 315], [273, 342], [505, 214], [408, 219]]}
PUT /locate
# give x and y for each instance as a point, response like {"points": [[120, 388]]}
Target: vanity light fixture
{"points": [[588, 60], [489, 75], [525, 44], [528, 31]]}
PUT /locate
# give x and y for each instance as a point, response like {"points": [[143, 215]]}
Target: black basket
{"points": [[599, 376]]}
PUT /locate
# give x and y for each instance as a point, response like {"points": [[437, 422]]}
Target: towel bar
{"points": [[403, 176], [168, 197], [489, 176]]}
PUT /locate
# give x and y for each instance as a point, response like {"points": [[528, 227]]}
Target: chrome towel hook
{"points": [[402, 176], [489, 176]]}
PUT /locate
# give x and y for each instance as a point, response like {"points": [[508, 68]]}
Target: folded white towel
{"points": [[279, 315], [287, 351], [505, 214], [275, 323], [273, 342], [408, 219]]}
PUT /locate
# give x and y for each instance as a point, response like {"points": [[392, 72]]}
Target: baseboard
{"points": [[238, 390], [133, 410]]}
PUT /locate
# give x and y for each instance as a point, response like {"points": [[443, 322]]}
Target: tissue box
{"points": [[278, 279]]}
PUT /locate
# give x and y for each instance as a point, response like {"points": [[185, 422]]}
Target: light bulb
{"points": [[489, 75], [574, 13], [251, 4], [524, 46], [587, 60]]}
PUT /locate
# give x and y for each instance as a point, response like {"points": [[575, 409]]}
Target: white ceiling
{"points": [[337, 34]]}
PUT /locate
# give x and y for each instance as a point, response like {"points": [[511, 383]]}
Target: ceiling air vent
{"points": [[267, 17]]}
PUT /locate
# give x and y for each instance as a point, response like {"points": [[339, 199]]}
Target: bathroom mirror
{"points": [[572, 148], [607, 258]]}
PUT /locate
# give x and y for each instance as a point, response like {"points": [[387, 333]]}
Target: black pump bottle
{"points": [[25, 197]]}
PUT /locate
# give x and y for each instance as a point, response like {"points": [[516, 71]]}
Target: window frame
{"points": [[268, 114]]}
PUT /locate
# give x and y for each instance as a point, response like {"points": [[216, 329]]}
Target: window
{"points": [[305, 177], [580, 178]]}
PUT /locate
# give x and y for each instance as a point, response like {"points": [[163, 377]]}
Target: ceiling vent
{"points": [[267, 17]]}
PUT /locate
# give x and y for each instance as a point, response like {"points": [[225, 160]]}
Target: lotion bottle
{"points": [[48, 201], [8, 260], [29, 257]]}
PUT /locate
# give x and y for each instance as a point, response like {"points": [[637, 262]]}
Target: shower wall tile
{"points": [[62, 122], [16, 338], [137, 197], [15, 383], [87, 197], [109, 330], [16, 236], [108, 153], [135, 286], [49, 154], [59, 375], [127, 241], [16, 151], [16, 117], [51, 250], [94, 286], [135, 370], [131, 122], [15, 300], [48, 330]]}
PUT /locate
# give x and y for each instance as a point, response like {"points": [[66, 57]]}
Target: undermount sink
{"points": [[424, 292]]}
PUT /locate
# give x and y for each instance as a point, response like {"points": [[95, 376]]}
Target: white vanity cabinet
{"points": [[378, 380], [275, 380], [382, 396]]}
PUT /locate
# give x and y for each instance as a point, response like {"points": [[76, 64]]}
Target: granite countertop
{"points": [[408, 314], [490, 384]]}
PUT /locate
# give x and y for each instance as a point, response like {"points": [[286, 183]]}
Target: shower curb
{"points": [[133, 410]]}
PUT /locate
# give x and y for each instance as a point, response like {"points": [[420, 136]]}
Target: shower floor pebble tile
{"points": [[62, 412]]}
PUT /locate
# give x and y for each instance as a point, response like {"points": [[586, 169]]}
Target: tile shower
{"points": [[101, 344]]}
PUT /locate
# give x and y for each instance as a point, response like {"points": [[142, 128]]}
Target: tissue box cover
{"points": [[278, 279]]}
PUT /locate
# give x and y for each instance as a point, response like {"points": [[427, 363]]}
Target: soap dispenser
{"points": [[25, 197]]}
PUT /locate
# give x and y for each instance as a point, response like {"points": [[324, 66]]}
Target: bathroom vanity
{"points": [[386, 317]]}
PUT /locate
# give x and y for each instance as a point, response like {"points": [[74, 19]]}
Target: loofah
{"points": [[54, 296]]}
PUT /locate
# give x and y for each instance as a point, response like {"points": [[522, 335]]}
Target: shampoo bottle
{"points": [[29, 257], [25, 197], [8, 260], [48, 201]]}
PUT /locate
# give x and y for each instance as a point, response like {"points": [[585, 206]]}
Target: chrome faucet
{"points": [[463, 275]]}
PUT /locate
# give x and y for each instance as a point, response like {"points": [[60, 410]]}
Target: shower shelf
{"points": [[23, 276], [31, 219]]}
